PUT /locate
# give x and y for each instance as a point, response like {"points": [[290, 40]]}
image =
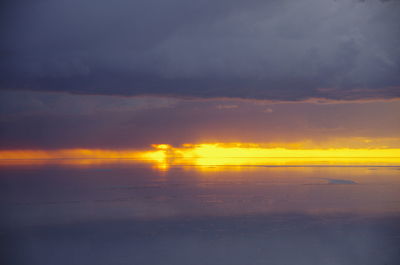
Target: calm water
{"points": [[138, 213]]}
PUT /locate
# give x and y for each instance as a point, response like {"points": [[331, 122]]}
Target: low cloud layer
{"points": [[276, 50], [42, 120]]}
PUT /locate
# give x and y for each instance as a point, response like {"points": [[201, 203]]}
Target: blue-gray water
{"points": [[136, 213]]}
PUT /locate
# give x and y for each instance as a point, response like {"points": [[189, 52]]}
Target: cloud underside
{"points": [[275, 50]]}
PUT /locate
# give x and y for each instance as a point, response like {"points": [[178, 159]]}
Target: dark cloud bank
{"points": [[279, 50]]}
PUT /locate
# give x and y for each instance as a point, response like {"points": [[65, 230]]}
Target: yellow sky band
{"points": [[217, 154], [197, 151]]}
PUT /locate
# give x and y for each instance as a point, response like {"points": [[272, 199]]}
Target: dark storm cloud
{"points": [[279, 50]]}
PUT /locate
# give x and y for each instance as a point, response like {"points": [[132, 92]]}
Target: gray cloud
{"points": [[278, 50], [42, 120]]}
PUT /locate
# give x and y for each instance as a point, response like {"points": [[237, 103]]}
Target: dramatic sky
{"points": [[131, 73]]}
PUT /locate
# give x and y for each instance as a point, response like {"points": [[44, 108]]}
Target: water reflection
{"points": [[134, 189], [136, 212]]}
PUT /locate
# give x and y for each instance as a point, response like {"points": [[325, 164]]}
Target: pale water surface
{"points": [[139, 213]]}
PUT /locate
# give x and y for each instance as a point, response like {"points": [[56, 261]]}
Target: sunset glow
{"points": [[200, 132], [163, 155]]}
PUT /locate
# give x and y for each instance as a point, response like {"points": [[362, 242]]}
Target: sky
{"points": [[128, 74]]}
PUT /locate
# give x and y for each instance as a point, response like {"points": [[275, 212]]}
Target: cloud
{"points": [[225, 106], [43, 120], [268, 110], [276, 50]]}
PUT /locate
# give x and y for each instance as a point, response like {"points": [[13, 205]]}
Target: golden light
{"points": [[161, 146], [237, 154], [163, 155]]}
